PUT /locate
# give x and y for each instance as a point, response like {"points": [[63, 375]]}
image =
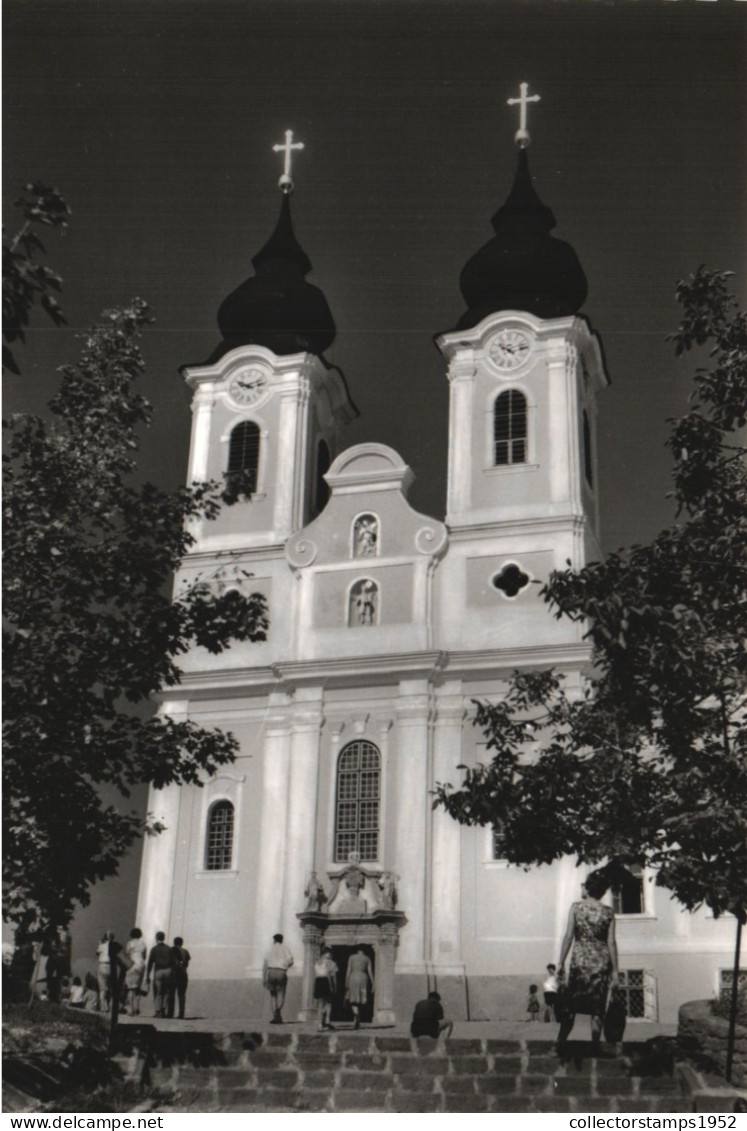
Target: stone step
{"points": [[369, 1072]]}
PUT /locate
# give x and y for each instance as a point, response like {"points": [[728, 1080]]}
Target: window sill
{"points": [[216, 872], [510, 468]]}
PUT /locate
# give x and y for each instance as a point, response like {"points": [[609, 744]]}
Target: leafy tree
{"points": [[25, 280], [91, 632], [647, 764]]}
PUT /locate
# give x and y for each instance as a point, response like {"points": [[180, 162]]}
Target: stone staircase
{"points": [[375, 1072]]}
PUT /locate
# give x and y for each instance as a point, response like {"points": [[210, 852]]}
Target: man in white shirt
{"points": [[275, 967]]}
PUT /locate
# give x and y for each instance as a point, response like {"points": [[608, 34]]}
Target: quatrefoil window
{"points": [[511, 580]]}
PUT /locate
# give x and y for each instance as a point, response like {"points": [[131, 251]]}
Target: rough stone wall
{"points": [[700, 1035]]}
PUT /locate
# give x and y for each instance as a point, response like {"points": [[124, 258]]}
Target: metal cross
{"points": [[521, 137], [285, 182]]}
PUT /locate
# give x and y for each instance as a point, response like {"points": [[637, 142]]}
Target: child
{"points": [[533, 1005], [91, 994], [550, 992], [77, 994]]}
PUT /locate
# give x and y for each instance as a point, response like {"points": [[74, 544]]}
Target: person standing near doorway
{"points": [[358, 982], [275, 967], [325, 987]]}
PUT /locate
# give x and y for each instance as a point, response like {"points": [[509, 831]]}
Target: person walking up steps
{"points": [[277, 963], [358, 980]]}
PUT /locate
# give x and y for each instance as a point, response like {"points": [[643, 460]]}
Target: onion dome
{"points": [[523, 267], [276, 307]]}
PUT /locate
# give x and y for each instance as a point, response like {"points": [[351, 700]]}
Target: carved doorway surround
{"points": [[379, 929]]}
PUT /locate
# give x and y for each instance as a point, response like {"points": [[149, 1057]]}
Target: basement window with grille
{"points": [[638, 991]]}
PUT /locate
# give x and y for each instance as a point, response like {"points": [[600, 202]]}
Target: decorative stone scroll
{"points": [[301, 551], [431, 539]]}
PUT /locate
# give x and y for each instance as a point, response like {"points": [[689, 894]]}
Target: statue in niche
{"points": [[387, 882], [363, 601], [365, 536], [315, 894]]}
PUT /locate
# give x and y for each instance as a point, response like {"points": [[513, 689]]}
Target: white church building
{"points": [[385, 625]]}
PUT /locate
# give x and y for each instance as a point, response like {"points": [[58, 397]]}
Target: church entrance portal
{"points": [[360, 912], [341, 1010]]}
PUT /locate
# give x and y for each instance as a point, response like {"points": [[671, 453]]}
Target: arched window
{"points": [[510, 428], [243, 455], [588, 463], [219, 846], [357, 801], [322, 467]]}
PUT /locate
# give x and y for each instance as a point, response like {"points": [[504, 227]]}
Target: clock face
{"points": [[248, 386], [510, 349]]}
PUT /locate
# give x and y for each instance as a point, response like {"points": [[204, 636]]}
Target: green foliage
{"points": [[648, 764], [25, 281], [91, 633]]}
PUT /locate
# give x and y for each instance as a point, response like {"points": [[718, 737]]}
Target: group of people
{"points": [[126, 973], [549, 996], [593, 971], [358, 982], [589, 938]]}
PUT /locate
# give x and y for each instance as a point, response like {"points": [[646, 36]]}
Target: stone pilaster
{"points": [[410, 765], [160, 851], [446, 834], [271, 841], [312, 945], [384, 989], [461, 375], [306, 725]]}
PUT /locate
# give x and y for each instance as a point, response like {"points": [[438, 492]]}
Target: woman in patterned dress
{"points": [[591, 932], [358, 979]]}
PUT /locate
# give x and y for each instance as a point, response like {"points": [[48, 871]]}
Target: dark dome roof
{"points": [[523, 267], [276, 307]]}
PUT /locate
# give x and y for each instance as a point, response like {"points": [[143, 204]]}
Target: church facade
{"points": [[386, 625]]}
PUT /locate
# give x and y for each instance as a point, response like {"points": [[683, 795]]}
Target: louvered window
{"points": [[219, 854], [510, 428], [357, 801], [243, 454]]}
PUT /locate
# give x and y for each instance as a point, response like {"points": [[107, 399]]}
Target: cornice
{"points": [[388, 668]]}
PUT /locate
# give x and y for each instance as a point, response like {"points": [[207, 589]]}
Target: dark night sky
{"points": [[156, 120]]}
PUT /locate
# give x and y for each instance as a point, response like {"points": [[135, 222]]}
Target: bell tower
{"points": [[524, 369], [268, 408]]}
